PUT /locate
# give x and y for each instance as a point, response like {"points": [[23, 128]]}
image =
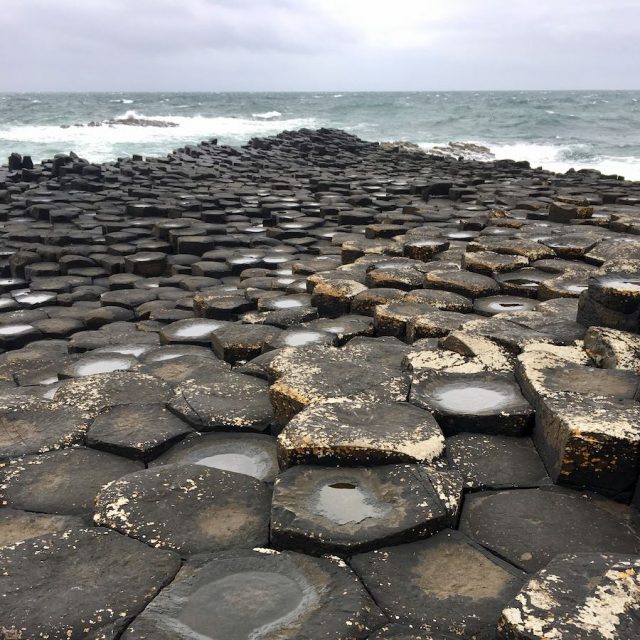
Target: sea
{"points": [[552, 129]]}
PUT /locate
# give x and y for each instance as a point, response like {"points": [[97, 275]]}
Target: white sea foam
{"points": [[104, 143], [558, 158], [267, 115]]}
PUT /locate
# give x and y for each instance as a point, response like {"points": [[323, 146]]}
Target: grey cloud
{"points": [[317, 45]]}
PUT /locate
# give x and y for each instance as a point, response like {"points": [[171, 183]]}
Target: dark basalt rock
{"points": [[582, 595], [31, 425], [307, 376], [347, 511], [190, 282], [292, 596], [488, 403], [61, 482], [446, 584], [188, 508], [251, 454], [231, 402], [348, 432], [17, 525], [496, 462], [138, 431], [40, 580], [529, 527], [92, 394]]}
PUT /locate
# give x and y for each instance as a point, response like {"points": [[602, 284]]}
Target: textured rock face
{"points": [[187, 508], [317, 344], [585, 595], [262, 594], [349, 510], [445, 584], [41, 576]]}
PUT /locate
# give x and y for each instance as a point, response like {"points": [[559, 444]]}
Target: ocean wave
{"points": [[122, 100], [561, 158], [267, 115], [100, 144]]}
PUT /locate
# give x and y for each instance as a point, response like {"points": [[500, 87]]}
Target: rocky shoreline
{"points": [[318, 388]]}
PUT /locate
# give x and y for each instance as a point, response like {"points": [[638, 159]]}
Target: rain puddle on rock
{"points": [[196, 330], [468, 399], [244, 605], [285, 303], [238, 463], [103, 365], [346, 502], [301, 338]]}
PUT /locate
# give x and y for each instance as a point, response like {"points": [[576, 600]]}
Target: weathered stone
{"points": [[188, 508], [306, 376], [31, 425], [446, 584], [283, 596], [92, 394], [61, 482], [40, 580], [344, 431], [478, 402], [252, 454], [577, 596], [528, 527], [231, 402], [17, 525], [496, 462], [346, 511], [138, 431]]}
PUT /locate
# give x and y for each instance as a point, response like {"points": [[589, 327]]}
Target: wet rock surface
{"points": [[244, 594], [413, 349]]}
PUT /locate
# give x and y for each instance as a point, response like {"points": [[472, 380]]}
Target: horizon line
{"points": [[350, 91]]}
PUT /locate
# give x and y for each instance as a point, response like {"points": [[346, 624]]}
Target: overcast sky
{"points": [[297, 45]]}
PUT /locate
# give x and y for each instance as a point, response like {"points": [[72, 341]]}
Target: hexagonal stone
{"points": [[188, 508], [342, 431], [465, 283], [195, 331], [241, 342], [528, 527], [94, 363], [485, 402], [62, 482], [587, 422], [146, 263], [613, 349], [252, 454], [445, 584], [177, 370], [583, 596], [392, 319], [489, 263], [496, 462], [280, 596], [232, 401], [31, 425], [307, 376], [346, 511], [91, 394], [138, 431], [79, 583], [17, 525]]}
